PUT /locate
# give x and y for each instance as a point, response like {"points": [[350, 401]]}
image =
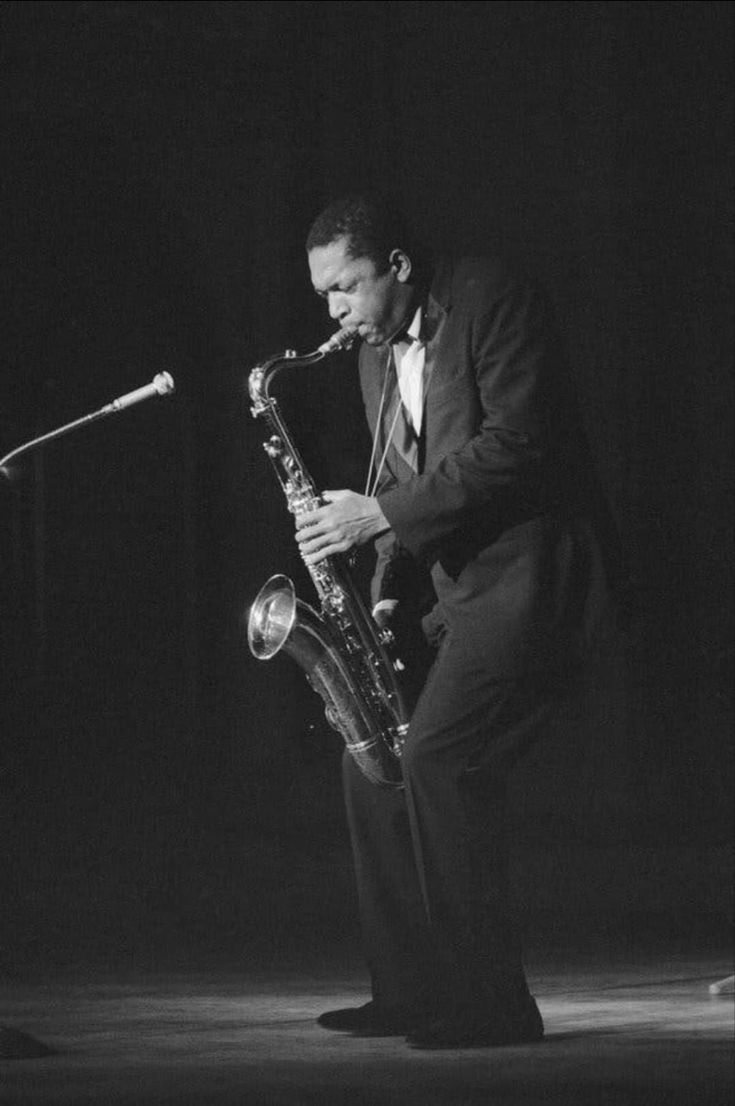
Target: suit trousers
{"points": [[431, 859]]}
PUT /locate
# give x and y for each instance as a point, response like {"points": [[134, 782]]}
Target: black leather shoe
{"points": [[470, 1032], [371, 1020]]}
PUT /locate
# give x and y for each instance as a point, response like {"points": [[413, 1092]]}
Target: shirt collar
{"points": [[414, 327], [412, 332]]}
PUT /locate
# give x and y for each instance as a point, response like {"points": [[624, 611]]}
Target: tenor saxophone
{"points": [[345, 657]]}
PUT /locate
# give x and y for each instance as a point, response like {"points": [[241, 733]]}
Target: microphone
{"points": [[161, 385]]}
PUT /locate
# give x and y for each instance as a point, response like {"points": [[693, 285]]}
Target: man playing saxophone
{"points": [[480, 478]]}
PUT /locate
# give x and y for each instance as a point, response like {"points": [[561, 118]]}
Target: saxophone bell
{"points": [[271, 617]]}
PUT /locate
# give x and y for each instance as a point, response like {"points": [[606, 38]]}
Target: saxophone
{"points": [[345, 657]]}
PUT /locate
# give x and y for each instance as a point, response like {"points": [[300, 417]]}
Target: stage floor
{"points": [[629, 1034]]}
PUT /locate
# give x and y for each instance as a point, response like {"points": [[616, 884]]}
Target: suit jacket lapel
{"points": [[433, 327], [438, 306], [375, 363]]}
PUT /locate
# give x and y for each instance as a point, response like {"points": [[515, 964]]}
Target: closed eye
{"points": [[345, 290]]}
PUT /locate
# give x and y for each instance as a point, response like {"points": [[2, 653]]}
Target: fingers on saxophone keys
{"points": [[304, 529], [310, 548], [310, 533], [315, 550], [319, 555], [306, 519], [311, 553]]}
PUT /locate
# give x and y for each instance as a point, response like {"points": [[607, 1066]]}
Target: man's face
{"points": [[358, 296]]}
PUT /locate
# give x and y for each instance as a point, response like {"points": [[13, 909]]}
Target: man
{"points": [[482, 477]]}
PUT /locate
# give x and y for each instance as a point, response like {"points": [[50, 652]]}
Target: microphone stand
{"points": [[14, 1044], [161, 385]]}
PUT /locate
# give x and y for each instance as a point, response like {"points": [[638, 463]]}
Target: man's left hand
{"points": [[346, 519]]}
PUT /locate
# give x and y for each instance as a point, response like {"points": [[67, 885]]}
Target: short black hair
{"points": [[372, 223]]}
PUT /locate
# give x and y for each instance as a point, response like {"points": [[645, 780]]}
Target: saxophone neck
{"points": [[262, 376]]}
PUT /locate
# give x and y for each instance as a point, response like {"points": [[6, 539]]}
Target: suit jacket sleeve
{"points": [[387, 578]]}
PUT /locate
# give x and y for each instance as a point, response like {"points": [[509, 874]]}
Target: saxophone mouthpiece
{"points": [[343, 339]]}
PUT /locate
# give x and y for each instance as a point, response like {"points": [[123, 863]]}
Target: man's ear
{"points": [[401, 265]]}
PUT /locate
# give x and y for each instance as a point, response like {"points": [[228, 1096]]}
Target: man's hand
{"points": [[346, 520]]}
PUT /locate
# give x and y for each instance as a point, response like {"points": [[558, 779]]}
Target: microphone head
{"points": [[164, 384]]}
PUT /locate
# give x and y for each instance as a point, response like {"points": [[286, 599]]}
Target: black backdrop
{"points": [[161, 789]]}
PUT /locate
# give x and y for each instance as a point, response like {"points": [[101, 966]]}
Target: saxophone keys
{"points": [[274, 446]]}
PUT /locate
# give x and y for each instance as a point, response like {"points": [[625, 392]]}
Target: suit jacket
{"points": [[506, 512]]}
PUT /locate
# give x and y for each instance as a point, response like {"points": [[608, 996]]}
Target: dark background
{"points": [[165, 796]]}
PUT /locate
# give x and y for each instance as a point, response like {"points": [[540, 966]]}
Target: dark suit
{"points": [[506, 516]]}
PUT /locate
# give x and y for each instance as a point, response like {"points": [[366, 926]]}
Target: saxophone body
{"points": [[343, 654]]}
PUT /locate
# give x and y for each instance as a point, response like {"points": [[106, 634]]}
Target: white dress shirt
{"points": [[410, 358]]}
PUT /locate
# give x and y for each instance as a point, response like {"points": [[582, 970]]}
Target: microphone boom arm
{"points": [[161, 385]]}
